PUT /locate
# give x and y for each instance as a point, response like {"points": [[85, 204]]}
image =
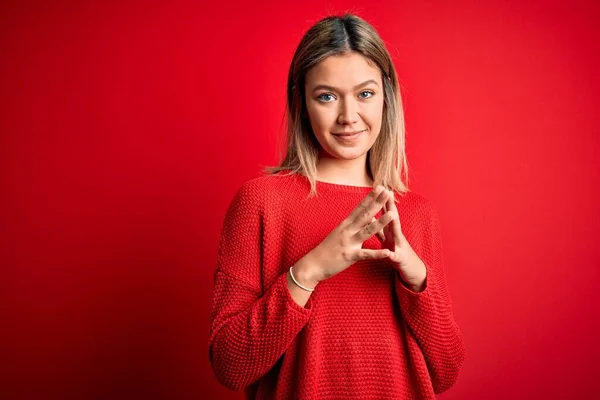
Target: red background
{"points": [[126, 128]]}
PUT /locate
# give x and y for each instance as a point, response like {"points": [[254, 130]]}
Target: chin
{"points": [[347, 154]]}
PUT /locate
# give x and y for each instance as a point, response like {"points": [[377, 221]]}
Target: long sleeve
{"points": [[429, 313], [251, 327]]}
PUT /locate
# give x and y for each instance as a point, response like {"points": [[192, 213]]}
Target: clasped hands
{"points": [[411, 268], [343, 246]]}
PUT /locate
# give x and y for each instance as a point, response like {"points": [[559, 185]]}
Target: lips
{"points": [[348, 138], [347, 133]]}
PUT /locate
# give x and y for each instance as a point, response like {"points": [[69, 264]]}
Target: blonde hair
{"points": [[336, 35]]}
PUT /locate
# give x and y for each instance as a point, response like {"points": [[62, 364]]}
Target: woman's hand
{"points": [[411, 268], [343, 246]]}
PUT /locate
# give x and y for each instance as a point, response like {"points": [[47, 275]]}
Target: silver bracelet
{"points": [[296, 282]]}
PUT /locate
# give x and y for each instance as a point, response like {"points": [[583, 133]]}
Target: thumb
{"points": [[368, 254]]}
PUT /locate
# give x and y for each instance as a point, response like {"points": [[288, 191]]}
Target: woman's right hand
{"points": [[343, 246]]}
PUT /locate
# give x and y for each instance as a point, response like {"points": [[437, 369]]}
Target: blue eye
{"points": [[320, 97], [324, 97]]}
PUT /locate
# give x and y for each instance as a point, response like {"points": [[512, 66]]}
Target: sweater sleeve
{"points": [[250, 328], [429, 313]]}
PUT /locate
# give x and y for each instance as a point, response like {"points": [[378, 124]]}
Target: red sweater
{"points": [[362, 333]]}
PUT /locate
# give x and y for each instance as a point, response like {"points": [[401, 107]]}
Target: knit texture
{"points": [[362, 334]]}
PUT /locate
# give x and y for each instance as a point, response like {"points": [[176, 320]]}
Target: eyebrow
{"points": [[318, 87]]}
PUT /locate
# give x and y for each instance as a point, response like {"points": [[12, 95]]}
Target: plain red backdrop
{"points": [[126, 127]]}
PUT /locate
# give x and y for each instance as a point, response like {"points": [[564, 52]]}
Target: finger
{"points": [[394, 256], [395, 225], [372, 196], [368, 254], [374, 227], [367, 209], [387, 229], [380, 233]]}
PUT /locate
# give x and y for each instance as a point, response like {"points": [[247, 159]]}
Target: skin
{"points": [[347, 105]]}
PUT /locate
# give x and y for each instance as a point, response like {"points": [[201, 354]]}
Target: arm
{"points": [[250, 330], [428, 313]]}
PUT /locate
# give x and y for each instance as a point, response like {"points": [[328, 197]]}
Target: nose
{"points": [[348, 112]]}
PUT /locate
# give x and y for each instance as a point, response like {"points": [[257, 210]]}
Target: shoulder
{"points": [[267, 185], [417, 205], [415, 200], [257, 192]]}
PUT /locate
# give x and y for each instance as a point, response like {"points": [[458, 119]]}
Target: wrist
{"points": [[307, 271], [419, 287], [418, 281]]}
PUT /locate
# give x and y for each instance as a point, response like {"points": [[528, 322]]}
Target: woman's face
{"points": [[345, 94]]}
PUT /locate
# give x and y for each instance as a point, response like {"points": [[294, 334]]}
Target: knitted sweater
{"points": [[362, 334]]}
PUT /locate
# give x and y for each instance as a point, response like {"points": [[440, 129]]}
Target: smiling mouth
{"points": [[344, 134], [349, 137]]}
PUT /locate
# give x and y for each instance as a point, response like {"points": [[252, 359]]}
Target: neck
{"points": [[344, 172]]}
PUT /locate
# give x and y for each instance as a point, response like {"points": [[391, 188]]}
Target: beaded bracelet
{"points": [[296, 282]]}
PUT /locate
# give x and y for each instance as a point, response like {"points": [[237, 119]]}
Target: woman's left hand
{"points": [[412, 269]]}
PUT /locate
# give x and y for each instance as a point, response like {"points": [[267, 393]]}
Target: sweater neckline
{"points": [[328, 186]]}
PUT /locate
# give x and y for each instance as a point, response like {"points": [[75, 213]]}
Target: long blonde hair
{"points": [[336, 35]]}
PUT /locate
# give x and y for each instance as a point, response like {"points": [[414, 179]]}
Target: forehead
{"points": [[342, 71]]}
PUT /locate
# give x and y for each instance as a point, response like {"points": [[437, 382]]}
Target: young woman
{"points": [[330, 281]]}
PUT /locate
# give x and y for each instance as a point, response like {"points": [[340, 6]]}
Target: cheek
{"points": [[373, 115], [376, 112], [321, 117]]}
